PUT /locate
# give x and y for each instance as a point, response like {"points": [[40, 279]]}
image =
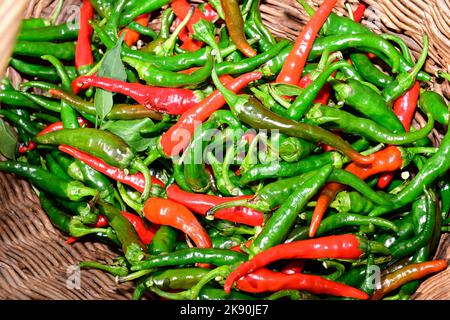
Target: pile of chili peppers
{"points": [[230, 163]]}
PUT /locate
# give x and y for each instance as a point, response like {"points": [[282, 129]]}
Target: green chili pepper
{"points": [[352, 201], [337, 221], [218, 257], [175, 279], [163, 241], [100, 143], [354, 277], [64, 50], [365, 127], [210, 293], [131, 244], [156, 77], [143, 30], [32, 23], [369, 71], [293, 149], [54, 167], [57, 217], [16, 98], [96, 180], [140, 7], [367, 102], [20, 121], [62, 32], [87, 214], [72, 190], [277, 228], [433, 103], [428, 206], [45, 103], [40, 72]]}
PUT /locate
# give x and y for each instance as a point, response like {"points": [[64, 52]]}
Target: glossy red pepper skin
{"points": [[181, 9], [345, 246], [265, 280], [136, 181], [293, 267], [146, 235], [83, 51], [404, 108], [201, 203], [179, 135], [56, 126], [295, 62], [173, 101], [387, 160], [358, 14], [170, 213]]}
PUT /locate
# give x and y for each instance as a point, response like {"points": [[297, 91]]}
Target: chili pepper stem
{"points": [[134, 275], [114, 270], [142, 168], [309, 10], [128, 200], [169, 44]]}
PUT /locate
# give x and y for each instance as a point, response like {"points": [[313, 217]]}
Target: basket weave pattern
{"points": [[34, 260]]}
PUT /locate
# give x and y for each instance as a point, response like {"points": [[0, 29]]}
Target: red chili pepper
{"points": [[406, 274], [181, 9], [190, 70], [168, 212], [293, 267], [324, 93], [238, 247], [404, 108], [146, 235], [56, 126], [189, 44], [136, 181], [296, 60], [346, 246], [173, 101], [265, 280], [179, 135], [83, 51], [201, 203], [132, 36], [358, 14], [386, 160]]}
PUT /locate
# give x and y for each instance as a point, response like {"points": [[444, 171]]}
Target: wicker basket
{"points": [[35, 263]]}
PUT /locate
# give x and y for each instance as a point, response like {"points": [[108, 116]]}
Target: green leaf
{"points": [[111, 67], [129, 130], [8, 141]]}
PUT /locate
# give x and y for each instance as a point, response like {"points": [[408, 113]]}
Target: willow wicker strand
{"points": [[34, 260]]}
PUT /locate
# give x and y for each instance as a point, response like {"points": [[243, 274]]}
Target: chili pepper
{"points": [[445, 196], [210, 293], [427, 205], [64, 50], [366, 128], [306, 98], [346, 246], [142, 29], [103, 144], [63, 32], [103, 7], [32, 23], [433, 103], [264, 280], [57, 217], [250, 111], [293, 149], [146, 235], [164, 240], [337, 221], [168, 212], [194, 168], [131, 36], [169, 100], [404, 108], [270, 196], [235, 26], [175, 279], [140, 8], [72, 190], [54, 167], [19, 121], [129, 239], [83, 52], [118, 112], [16, 98], [41, 72], [202, 203], [368, 103], [352, 202], [411, 272], [277, 227], [296, 60], [96, 180], [405, 80], [181, 9], [435, 167], [369, 71], [137, 180], [191, 118], [254, 18], [154, 76]]}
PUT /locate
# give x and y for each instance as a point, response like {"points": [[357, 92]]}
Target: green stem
{"points": [[142, 168], [136, 206]]}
